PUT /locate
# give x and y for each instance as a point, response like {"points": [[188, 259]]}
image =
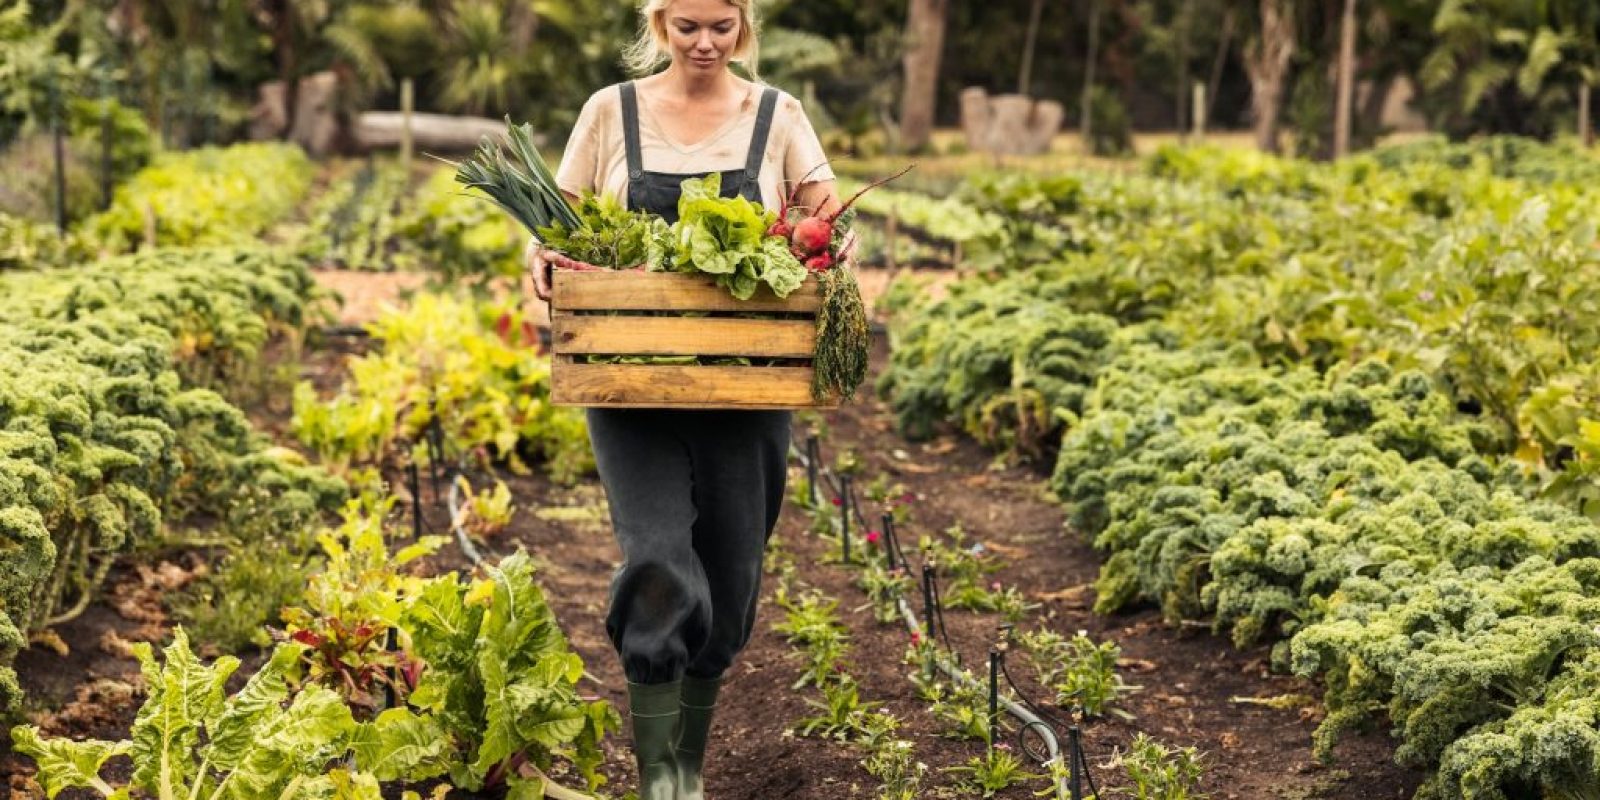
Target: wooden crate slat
{"points": [[666, 291], [629, 335], [664, 386]]}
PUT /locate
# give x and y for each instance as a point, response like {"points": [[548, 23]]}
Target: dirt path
{"points": [[1188, 678]]}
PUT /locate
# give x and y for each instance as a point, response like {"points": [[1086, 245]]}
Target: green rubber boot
{"points": [[698, 702], [654, 708]]}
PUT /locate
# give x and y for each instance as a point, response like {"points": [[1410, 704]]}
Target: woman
{"points": [[694, 494]]}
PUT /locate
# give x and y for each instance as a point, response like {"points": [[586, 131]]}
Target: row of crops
{"points": [[108, 430], [373, 215], [119, 432], [1346, 408]]}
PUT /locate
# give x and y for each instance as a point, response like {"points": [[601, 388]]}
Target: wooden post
{"points": [[1086, 123], [407, 100], [1181, 120], [1585, 123], [1200, 108], [1026, 78], [105, 153], [61, 158], [1345, 97], [1224, 44]]}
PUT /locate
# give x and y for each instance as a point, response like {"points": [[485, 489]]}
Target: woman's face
{"points": [[702, 34]]}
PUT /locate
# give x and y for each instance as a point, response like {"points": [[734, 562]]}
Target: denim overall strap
{"points": [[758, 143], [630, 131]]}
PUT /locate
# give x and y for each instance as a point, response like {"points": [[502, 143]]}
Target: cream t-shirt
{"points": [[596, 157]]}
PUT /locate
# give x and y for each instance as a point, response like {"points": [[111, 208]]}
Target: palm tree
{"points": [[1510, 63]]}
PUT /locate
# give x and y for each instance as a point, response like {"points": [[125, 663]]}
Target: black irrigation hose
{"points": [[1054, 723], [1029, 719]]}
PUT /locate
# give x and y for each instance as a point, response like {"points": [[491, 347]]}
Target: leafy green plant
{"points": [[104, 444], [610, 235], [1082, 673], [459, 365], [209, 196], [232, 606], [1157, 772], [351, 608], [844, 714], [484, 514], [190, 740], [501, 680], [728, 239], [995, 771], [811, 623], [895, 764], [884, 588]]}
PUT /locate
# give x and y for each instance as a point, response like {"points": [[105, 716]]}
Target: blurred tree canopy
{"points": [[193, 67]]}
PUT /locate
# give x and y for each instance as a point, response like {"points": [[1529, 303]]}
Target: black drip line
{"points": [[1074, 735], [1078, 763]]}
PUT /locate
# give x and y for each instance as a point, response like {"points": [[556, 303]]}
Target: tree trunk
{"points": [[283, 46], [1180, 120], [1026, 78], [1345, 95], [1585, 123], [1267, 61], [1224, 43], [1370, 127], [925, 23], [1086, 115]]}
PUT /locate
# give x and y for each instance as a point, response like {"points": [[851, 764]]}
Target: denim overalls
{"points": [[694, 494]]}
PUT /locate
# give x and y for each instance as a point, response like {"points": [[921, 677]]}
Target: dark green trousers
{"points": [[694, 496]]}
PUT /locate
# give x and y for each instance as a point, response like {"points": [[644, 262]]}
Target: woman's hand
{"points": [[535, 263]]}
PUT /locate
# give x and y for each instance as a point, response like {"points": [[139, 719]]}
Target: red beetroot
{"points": [[813, 236], [781, 226], [821, 262]]}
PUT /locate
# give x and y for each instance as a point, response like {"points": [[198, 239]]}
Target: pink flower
{"points": [[872, 537], [916, 637], [1002, 746], [838, 502], [995, 586], [908, 498]]}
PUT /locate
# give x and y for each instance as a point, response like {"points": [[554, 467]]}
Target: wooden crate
{"points": [[577, 331]]}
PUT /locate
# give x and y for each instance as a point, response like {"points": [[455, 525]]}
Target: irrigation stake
{"points": [[994, 698], [813, 453], [1075, 748], [435, 434], [415, 484], [388, 689], [887, 538], [844, 515]]}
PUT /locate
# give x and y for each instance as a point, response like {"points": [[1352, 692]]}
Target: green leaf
{"points": [[783, 272], [557, 732], [520, 788], [166, 731], [262, 696], [65, 764], [399, 745], [299, 742]]}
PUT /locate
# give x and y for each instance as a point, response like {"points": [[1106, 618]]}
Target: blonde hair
{"points": [[649, 50]]}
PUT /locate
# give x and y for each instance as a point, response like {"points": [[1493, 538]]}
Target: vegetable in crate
{"points": [[727, 238], [521, 183], [818, 240], [609, 236]]}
